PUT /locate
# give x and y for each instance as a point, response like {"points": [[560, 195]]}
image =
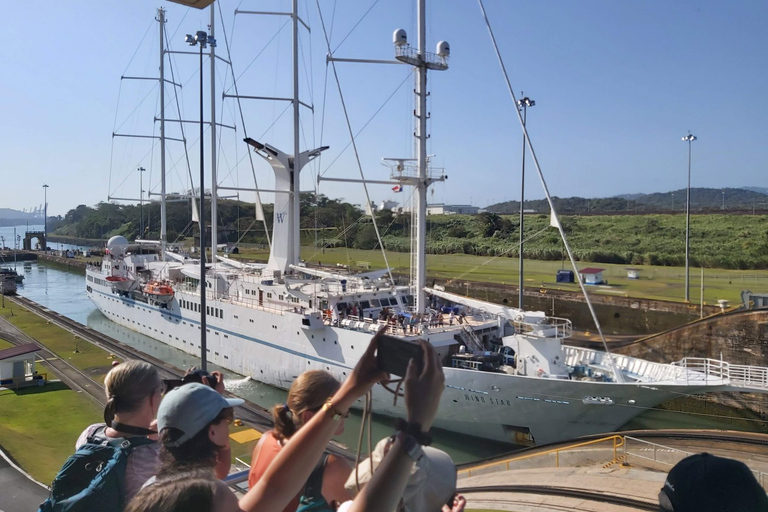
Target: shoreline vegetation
{"points": [[727, 239]]}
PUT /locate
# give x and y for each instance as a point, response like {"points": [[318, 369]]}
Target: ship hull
{"points": [[275, 348]]}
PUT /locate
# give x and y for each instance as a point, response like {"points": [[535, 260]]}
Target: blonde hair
{"points": [[308, 392], [127, 385]]}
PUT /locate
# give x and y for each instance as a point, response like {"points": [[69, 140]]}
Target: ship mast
{"points": [[421, 60], [214, 199], [163, 224]]}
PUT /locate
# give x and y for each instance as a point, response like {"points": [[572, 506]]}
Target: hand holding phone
{"points": [[393, 354]]}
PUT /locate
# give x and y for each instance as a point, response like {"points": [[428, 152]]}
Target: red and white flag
{"points": [[397, 188]]}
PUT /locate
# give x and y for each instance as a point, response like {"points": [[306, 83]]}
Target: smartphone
{"points": [[393, 354]]}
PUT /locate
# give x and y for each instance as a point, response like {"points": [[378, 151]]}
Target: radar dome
{"points": [[117, 245], [117, 240]]}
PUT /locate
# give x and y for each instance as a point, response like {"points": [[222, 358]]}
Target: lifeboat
{"points": [[159, 291], [120, 283]]}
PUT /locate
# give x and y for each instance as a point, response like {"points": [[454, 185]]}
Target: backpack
{"points": [[311, 499], [93, 479]]}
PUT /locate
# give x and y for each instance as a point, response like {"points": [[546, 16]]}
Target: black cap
{"points": [[704, 483]]}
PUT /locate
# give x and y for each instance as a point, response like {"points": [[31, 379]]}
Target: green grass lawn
{"points": [[40, 425], [85, 356], [656, 282]]}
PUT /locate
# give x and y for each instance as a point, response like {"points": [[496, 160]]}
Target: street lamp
{"points": [[45, 218], [523, 104], [723, 191], [202, 40], [141, 201], [688, 138]]}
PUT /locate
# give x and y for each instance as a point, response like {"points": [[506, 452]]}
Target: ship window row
{"points": [[192, 306], [100, 282], [90, 278], [218, 313]]}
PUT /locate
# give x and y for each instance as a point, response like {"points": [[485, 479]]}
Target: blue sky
{"points": [[616, 84]]}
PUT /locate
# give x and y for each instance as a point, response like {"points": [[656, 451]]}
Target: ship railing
{"points": [[704, 369], [638, 370], [548, 327], [406, 172]]}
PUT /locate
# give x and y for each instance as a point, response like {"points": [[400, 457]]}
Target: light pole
{"points": [[523, 104], [45, 218], [202, 40], [688, 138], [723, 191], [141, 201]]}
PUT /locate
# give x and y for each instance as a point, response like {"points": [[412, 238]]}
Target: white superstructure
{"points": [[509, 377]]}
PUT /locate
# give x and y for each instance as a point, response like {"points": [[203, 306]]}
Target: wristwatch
{"points": [[328, 407]]}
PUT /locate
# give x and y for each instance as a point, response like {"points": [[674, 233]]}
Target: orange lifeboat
{"points": [[159, 291]]}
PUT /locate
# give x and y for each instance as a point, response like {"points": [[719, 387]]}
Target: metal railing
{"points": [[668, 456], [551, 327], [703, 369], [616, 440]]}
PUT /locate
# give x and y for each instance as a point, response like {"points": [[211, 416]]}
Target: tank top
{"points": [[268, 447]]}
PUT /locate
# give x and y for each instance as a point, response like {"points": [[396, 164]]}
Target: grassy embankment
{"points": [[39, 426], [656, 282]]}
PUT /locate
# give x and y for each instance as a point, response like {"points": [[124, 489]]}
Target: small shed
{"points": [[564, 276], [633, 273], [17, 365], [591, 275]]}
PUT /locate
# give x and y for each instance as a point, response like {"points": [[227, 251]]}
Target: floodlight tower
{"points": [[689, 139]]}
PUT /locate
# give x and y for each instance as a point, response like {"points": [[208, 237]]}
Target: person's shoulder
{"points": [[225, 500], [336, 463], [88, 432]]}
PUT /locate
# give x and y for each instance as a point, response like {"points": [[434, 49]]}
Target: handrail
{"points": [[618, 442]]}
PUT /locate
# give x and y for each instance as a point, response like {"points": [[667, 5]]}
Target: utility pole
{"points": [[523, 104], [689, 139]]}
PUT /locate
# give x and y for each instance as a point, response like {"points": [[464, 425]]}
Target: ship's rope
{"points": [[259, 203], [502, 255], [535, 159]]}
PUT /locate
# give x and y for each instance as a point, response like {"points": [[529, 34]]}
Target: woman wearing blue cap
{"points": [[198, 413]]}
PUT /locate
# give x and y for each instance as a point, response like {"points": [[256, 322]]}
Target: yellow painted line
{"points": [[246, 436]]}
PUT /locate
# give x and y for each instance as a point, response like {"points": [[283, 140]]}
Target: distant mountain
{"points": [[702, 199], [761, 190]]}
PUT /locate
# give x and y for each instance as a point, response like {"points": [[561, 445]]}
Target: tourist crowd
{"points": [[164, 447]]}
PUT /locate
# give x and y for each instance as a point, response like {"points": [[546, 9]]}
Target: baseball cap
{"points": [[704, 483], [190, 408], [432, 481]]}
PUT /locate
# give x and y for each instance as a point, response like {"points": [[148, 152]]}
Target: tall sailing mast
{"points": [[163, 224], [421, 60]]}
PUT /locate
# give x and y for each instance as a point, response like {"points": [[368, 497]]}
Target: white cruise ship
{"points": [[509, 374]]}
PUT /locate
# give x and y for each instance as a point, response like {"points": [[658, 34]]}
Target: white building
{"points": [[591, 275], [451, 209], [17, 365]]}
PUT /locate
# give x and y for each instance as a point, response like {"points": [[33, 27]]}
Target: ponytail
{"points": [[285, 425], [109, 410]]}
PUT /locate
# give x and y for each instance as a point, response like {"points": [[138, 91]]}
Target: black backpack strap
{"points": [[99, 436], [314, 488]]}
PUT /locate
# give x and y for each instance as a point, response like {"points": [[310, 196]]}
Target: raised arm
{"points": [[290, 470], [422, 397]]}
